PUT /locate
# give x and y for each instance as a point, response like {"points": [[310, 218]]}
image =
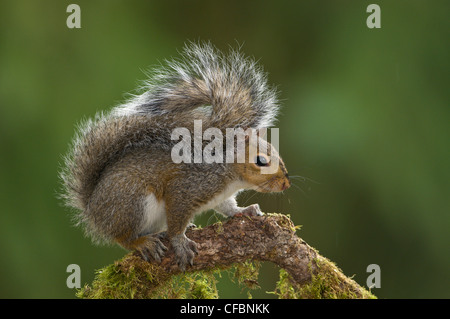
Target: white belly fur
{"points": [[154, 215], [155, 210]]}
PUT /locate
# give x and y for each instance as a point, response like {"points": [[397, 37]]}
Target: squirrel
{"points": [[119, 175]]}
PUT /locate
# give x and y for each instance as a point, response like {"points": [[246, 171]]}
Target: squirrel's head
{"points": [[263, 167]]}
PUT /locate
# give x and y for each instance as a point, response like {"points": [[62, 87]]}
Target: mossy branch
{"points": [[237, 241]]}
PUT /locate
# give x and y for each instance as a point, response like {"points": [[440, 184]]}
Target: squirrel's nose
{"points": [[286, 184]]}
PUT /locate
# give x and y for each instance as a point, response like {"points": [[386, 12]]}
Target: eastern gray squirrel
{"points": [[119, 175]]}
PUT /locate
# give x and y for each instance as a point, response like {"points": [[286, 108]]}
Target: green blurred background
{"points": [[365, 118]]}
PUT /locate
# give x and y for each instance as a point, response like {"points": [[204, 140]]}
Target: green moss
{"points": [[132, 278], [246, 274], [202, 286], [326, 283], [193, 285], [284, 288], [123, 279]]}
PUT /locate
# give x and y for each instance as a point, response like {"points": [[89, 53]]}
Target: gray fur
{"points": [[233, 85]]}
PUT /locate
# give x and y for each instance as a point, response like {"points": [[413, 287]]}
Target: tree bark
{"points": [[272, 238]]}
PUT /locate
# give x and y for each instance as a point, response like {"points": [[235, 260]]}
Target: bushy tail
{"points": [[234, 86], [98, 143]]}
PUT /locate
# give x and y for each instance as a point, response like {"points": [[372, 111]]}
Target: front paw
{"points": [[252, 210], [185, 250]]}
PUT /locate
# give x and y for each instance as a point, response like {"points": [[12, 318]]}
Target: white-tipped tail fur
{"points": [[233, 85]]}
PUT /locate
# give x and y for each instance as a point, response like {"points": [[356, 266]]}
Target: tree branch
{"points": [[263, 238]]}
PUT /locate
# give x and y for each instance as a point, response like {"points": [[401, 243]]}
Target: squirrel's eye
{"points": [[261, 160]]}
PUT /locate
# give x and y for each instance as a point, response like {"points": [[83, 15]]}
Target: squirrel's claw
{"points": [[185, 250], [152, 249]]}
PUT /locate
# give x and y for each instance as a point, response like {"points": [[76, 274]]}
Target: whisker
{"points": [[297, 178], [303, 192], [303, 178], [246, 201], [259, 186], [311, 180]]}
